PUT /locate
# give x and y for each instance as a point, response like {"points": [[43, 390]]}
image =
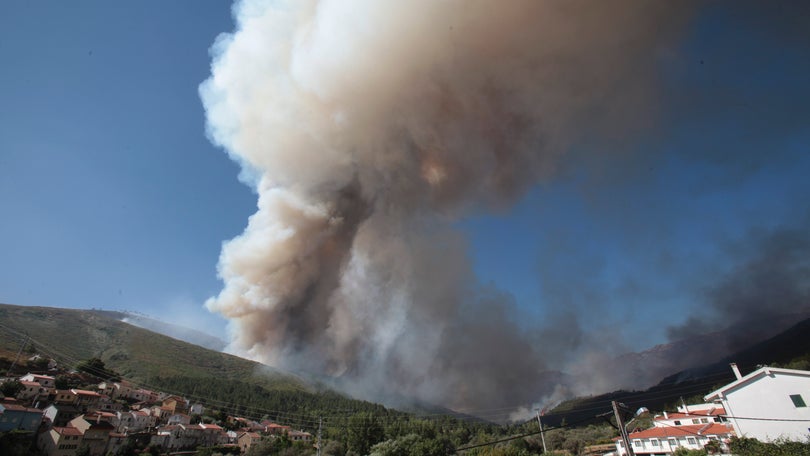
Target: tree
{"points": [[11, 388], [97, 368], [712, 447], [681, 451], [363, 433]]}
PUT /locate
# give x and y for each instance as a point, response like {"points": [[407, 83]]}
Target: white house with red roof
{"points": [[767, 404], [45, 380], [691, 427], [32, 391]]}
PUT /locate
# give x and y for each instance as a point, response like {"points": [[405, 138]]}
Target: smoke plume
{"points": [[367, 129]]}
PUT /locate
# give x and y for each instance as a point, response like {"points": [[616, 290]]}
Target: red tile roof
{"points": [[277, 426], [85, 392], [70, 430], [682, 431], [19, 408]]}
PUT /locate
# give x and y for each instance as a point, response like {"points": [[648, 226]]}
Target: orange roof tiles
{"points": [[69, 430], [682, 431], [85, 393]]}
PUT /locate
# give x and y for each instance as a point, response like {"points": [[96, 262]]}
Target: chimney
{"points": [[666, 417], [736, 370]]}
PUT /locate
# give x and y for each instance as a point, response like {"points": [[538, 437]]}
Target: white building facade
{"points": [[768, 404], [691, 427]]}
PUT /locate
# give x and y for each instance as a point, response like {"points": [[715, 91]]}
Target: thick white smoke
{"points": [[367, 128]]}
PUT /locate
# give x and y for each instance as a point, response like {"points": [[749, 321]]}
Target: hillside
{"points": [[70, 336], [788, 346]]}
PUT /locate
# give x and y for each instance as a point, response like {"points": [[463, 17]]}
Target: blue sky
{"points": [[111, 196]]}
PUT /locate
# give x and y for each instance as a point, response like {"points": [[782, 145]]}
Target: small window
{"points": [[695, 421], [704, 420], [691, 440], [654, 442], [673, 442], [677, 423], [797, 400]]}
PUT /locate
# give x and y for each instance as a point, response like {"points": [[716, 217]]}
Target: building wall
{"points": [[664, 445], [769, 397]]}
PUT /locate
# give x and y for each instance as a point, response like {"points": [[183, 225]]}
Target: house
{"points": [[33, 391], [247, 439], [691, 427], [134, 421], [45, 380], [175, 404], [107, 388], [178, 418], [161, 413], [213, 435], [196, 409], [276, 429], [692, 414], [143, 395], [61, 414], [665, 440], [65, 397], [95, 432], [86, 400], [60, 441], [299, 436], [767, 404], [13, 416]]}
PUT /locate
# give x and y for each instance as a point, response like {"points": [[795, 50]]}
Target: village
{"points": [[103, 417]]}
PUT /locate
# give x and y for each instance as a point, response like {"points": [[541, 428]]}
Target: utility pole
{"points": [[542, 434], [320, 424], [622, 429]]}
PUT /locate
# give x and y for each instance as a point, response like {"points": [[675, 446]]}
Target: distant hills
{"points": [[157, 361], [788, 346], [72, 335]]}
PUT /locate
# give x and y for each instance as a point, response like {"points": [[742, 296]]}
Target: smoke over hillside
{"points": [[367, 129]]}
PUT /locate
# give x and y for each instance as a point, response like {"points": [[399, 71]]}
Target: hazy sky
{"points": [[111, 196]]}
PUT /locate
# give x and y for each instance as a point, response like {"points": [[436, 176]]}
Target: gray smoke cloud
{"points": [[367, 128], [767, 286]]}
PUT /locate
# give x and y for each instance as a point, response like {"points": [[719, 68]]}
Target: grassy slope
{"points": [[70, 336]]}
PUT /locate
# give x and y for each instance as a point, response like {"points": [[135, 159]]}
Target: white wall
{"points": [[769, 397]]}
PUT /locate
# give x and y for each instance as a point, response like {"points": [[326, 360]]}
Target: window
{"points": [[637, 443], [655, 443], [677, 423], [717, 420], [695, 421], [691, 440], [798, 401], [704, 420], [673, 443]]}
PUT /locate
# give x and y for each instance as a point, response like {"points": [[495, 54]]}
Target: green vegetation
{"points": [[17, 443], [97, 343], [10, 388], [753, 447], [681, 451], [98, 369], [136, 354]]}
